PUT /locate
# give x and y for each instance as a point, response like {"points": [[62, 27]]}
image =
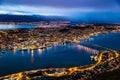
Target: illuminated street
{"points": [[65, 71]]}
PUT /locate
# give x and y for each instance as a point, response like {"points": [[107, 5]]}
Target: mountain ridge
{"points": [[29, 18]]}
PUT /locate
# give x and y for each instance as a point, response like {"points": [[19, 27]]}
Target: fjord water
{"points": [[66, 55], [12, 26], [62, 55], [110, 40]]}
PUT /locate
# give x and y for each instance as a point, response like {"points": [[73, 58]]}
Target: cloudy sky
{"points": [[101, 9]]}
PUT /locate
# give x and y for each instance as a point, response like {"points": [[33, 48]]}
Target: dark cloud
{"points": [[86, 10], [67, 3]]}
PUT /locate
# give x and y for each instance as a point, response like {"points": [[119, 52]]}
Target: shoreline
{"points": [[54, 43], [86, 36], [65, 71]]}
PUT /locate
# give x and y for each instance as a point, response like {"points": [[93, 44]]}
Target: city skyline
{"points": [[59, 39]]}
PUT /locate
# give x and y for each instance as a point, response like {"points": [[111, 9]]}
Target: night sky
{"points": [[86, 10]]}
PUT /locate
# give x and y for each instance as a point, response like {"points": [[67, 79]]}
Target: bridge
{"points": [[59, 72], [94, 48], [87, 49], [91, 48], [98, 47]]}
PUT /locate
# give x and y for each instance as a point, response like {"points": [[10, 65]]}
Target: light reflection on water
{"points": [[32, 57], [66, 55], [12, 26], [7, 26], [40, 51], [87, 49]]}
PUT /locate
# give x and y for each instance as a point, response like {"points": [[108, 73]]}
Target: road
{"points": [[64, 71]]}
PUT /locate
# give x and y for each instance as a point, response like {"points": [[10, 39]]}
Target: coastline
{"points": [[71, 69], [65, 71], [65, 68], [68, 41]]}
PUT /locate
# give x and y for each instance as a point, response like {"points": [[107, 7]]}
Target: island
{"points": [[39, 38]]}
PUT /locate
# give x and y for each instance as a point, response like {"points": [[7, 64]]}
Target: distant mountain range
{"points": [[29, 18], [37, 18]]}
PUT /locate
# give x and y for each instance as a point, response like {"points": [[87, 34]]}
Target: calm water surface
{"points": [[57, 56], [66, 55], [5, 26], [111, 40]]}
